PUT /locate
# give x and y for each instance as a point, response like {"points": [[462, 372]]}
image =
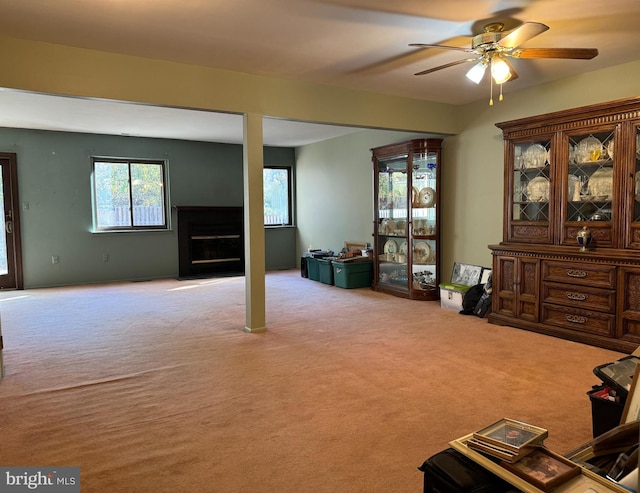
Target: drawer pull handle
{"points": [[576, 296], [576, 319], [576, 273]]}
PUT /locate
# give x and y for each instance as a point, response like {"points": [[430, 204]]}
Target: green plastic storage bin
{"points": [[351, 275], [325, 270], [313, 269]]}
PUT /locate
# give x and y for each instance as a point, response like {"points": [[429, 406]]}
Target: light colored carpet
{"points": [[155, 387]]}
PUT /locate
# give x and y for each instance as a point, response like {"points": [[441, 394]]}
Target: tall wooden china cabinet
{"points": [[406, 230], [572, 180]]}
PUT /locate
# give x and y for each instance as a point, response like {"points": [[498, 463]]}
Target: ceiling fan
{"points": [[494, 46]]}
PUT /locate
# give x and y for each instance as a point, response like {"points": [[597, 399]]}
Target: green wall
{"points": [[54, 171]]}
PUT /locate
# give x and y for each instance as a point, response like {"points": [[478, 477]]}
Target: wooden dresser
{"points": [[563, 172]]}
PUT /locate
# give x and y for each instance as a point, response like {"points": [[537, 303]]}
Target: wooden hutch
{"points": [[563, 172]]}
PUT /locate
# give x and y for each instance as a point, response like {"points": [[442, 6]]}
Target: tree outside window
{"points": [[277, 196], [129, 194]]}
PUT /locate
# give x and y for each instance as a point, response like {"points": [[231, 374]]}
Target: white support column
{"points": [[254, 249]]}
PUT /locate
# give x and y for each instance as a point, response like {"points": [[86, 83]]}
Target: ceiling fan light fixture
{"points": [[477, 72], [500, 70], [495, 46]]}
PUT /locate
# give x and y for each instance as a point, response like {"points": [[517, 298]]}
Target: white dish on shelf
{"points": [[426, 197], [421, 253], [589, 149], [391, 247], [538, 189], [403, 248], [601, 183], [535, 156]]}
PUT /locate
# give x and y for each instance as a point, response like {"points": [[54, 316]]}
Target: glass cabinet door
{"points": [[590, 186], [424, 221], [393, 206], [531, 205], [407, 215], [634, 241]]}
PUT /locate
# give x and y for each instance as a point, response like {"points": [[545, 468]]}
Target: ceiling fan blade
{"points": [[447, 65], [523, 33], [574, 53], [445, 47]]}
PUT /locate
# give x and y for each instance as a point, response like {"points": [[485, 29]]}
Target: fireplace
{"points": [[210, 241]]}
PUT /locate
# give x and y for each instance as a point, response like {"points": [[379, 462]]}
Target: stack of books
{"points": [[508, 439]]}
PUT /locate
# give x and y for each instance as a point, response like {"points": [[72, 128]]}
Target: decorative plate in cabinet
{"points": [[535, 156], [538, 189], [421, 253], [601, 183], [589, 149]]}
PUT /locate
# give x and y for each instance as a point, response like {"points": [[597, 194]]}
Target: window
{"points": [[277, 196], [129, 194]]}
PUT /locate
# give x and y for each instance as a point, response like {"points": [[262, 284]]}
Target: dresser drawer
{"points": [[601, 276], [583, 297], [587, 321]]}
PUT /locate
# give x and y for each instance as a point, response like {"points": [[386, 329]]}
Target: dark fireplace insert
{"points": [[210, 241]]}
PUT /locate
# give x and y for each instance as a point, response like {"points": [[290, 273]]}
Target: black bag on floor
{"points": [[451, 472], [471, 298], [483, 307]]}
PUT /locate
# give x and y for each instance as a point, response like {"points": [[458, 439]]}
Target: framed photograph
{"points": [[493, 450], [543, 469], [511, 435], [631, 410], [466, 274]]}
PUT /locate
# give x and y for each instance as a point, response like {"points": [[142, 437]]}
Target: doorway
{"points": [[10, 244]]}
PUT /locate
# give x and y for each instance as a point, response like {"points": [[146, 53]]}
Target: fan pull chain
{"points": [[491, 93]]}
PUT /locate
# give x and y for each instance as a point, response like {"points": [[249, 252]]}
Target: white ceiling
{"points": [[19, 109], [359, 44]]}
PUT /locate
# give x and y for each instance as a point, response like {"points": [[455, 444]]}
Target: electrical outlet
{"points": [[55, 259], [105, 257]]}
